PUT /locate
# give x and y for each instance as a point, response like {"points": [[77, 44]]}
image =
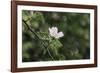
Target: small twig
{"points": [[39, 39], [48, 51], [50, 54], [30, 29]]}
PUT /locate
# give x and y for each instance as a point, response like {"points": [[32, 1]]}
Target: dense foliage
{"points": [[38, 45]]}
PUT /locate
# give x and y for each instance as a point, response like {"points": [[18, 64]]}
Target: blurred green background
{"points": [[76, 39]]}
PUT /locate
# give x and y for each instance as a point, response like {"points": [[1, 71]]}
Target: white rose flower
{"points": [[54, 32]]}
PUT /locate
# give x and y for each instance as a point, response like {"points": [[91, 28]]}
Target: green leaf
{"points": [[60, 57], [55, 44], [26, 15], [38, 17], [44, 36]]}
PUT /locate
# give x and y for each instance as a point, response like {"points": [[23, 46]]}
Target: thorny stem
{"points": [[38, 38]]}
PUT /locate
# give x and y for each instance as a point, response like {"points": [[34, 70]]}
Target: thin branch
{"points": [[48, 51], [50, 54], [39, 39], [30, 29]]}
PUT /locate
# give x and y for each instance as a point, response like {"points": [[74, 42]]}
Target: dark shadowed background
{"points": [[75, 42]]}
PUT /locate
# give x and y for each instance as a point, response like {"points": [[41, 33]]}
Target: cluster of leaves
{"points": [[75, 44]]}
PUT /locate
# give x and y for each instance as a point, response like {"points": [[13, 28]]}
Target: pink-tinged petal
{"points": [[54, 32], [49, 30], [60, 34]]}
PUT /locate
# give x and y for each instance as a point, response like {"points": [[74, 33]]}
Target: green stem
{"points": [[48, 51], [30, 29], [38, 38]]}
